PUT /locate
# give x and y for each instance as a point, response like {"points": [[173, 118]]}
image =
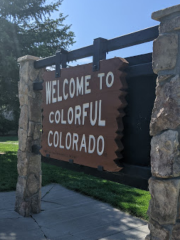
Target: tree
{"points": [[27, 27]]}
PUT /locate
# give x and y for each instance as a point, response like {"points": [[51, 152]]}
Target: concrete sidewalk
{"points": [[67, 215]]}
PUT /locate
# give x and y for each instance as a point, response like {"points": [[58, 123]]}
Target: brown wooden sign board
{"points": [[82, 114]]}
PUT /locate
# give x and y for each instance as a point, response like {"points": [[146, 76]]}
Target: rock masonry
{"points": [[164, 185], [28, 189]]}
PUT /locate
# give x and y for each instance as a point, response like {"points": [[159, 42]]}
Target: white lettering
{"points": [[72, 88], [107, 79], [102, 150], [101, 122], [68, 146], [79, 86], [93, 121], [57, 116], [91, 150], [65, 96], [88, 77], [59, 97], [60, 140], [56, 139], [54, 99], [75, 141], [78, 114], [50, 120], [62, 114], [70, 112], [85, 105], [100, 75], [48, 92], [71, 141], [83, 143], [50, 133]]}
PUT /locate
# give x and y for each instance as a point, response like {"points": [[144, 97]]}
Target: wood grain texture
{"points": [[112, 105]]}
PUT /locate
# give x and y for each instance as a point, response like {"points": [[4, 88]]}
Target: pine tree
{"points": [[27, 27]]}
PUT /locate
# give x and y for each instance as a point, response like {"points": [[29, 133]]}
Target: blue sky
{"points": [[109, 19]]}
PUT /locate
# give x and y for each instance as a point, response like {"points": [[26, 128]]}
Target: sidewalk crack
{"points": [[39, 227], [48, 192]]}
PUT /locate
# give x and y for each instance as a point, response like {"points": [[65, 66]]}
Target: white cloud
{"points": [[81, 61]]}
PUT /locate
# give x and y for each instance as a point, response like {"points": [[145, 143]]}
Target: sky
{"points": [[91, 19]]}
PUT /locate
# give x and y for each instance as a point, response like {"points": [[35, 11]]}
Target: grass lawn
{"points": [[128, 199]]}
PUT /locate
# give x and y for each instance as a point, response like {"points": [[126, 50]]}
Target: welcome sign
{"points": [[82, 114]]}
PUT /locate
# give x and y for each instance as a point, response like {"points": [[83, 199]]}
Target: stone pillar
{"points": [[28, 189], [164, 185]]}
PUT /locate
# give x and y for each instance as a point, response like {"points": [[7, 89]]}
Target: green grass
{"points": [[128, 199], [8, 163], [9, 139]]}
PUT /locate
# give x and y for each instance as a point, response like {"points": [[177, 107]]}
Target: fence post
{"points": [[28, 189], [164, 185]]}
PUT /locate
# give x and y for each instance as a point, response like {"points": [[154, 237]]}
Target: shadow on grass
{"points": [[8, 138], [8, 171], [131, 200]]}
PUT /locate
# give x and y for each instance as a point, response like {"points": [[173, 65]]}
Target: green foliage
{"points": [[6, 125], [128, 199], [27, 28]]}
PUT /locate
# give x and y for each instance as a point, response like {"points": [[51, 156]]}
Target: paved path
{"points": [[67, 215]]}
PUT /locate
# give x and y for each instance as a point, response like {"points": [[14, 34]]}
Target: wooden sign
{"points": [[82, 114]]}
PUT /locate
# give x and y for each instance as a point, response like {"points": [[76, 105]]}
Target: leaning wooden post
{"points": [[28, 189], [164, 186]]}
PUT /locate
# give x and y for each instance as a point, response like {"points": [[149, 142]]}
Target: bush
{"points": [[6, 125]]}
